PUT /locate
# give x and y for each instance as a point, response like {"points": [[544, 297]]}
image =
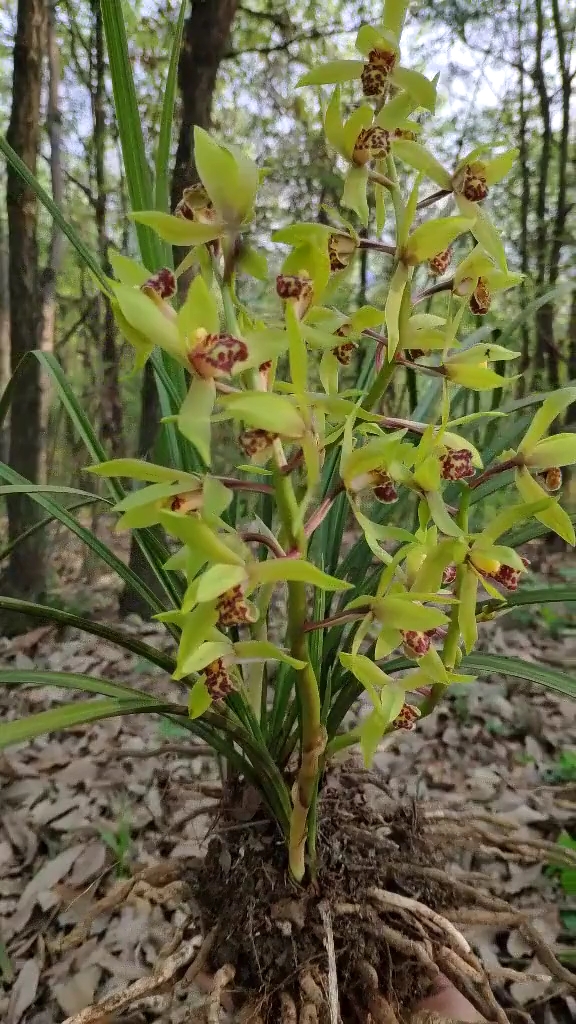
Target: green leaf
{"points": [[417, 85], [274, 570], [554, 517], [265, 410], [196, 534], [331, 73], [200, 310], [199, 699], [177, 230], [194, 418], [433, 237], [263, 650], [69, 715], [551, 678], [126, 641], [163, 154], [138, 176], [230, 179], [217, 580], [55, 212], [354, 196], [467, 608], [394, 15], [552, 407], [72, 681], [416, 156], [139, 469], [88, 538]]}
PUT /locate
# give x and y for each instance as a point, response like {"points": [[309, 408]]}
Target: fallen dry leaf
{"points": [[23, 993], [78, 992]]}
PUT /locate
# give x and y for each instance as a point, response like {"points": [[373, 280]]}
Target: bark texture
{"points": [[25, 573]]}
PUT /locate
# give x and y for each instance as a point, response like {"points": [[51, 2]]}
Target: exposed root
{"points": [[165, 972], [288, 1012], [333, 1000], [364, 943], [385, 900], [152, 882], [222, 979], [308, 1014]]}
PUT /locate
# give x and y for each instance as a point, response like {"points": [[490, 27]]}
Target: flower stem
{"points": [[429, 200], [310, 708], [313, 732], [498, 467]]}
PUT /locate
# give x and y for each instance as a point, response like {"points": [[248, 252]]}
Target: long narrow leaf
{"points": [[72, 681], [81, 713], [41, 524], [94, 543], [110, 633], [138, 174], [55, 212], [146, 541], [550, 678], [162, 189]]}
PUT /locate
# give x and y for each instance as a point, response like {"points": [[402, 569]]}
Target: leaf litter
{"points": [[489, 750]]}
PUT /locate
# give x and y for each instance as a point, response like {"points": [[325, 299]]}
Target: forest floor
{"points": [[85, 809]]}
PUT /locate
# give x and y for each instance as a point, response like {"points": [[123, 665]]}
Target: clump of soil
{"points": [[274, 932]]}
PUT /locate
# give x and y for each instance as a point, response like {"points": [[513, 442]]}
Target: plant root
{"points": [[222, 979], [152, 882], [138, 990], [363, 943]]}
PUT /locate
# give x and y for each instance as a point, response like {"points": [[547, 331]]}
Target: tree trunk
{"points": [[204, 44], [111, 412], [525, 198], [56, 248], [25, 575], [206, 35], [4, 331], [545, 315]]}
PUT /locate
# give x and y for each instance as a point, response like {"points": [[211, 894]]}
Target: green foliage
{"points": [[312, 454]]}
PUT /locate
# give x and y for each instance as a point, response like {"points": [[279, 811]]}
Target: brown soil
{"points": [[273, 932]]}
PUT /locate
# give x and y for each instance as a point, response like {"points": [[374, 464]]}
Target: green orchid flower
{"points": [[379, 70], [469, 182], [218, 662], [477, 280], [364, 139], [469, 367], [546, 455]]}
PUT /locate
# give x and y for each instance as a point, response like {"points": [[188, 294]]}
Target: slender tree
{"points": [[25, 574], [111, 417]]}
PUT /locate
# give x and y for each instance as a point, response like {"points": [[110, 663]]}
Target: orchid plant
{"points": [[394, 614]]}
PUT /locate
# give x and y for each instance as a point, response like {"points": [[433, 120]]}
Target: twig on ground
{"points": [[201, 957], [125, 997]]}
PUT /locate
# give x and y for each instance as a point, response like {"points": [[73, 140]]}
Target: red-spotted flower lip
{"points": [[216, 355]]}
